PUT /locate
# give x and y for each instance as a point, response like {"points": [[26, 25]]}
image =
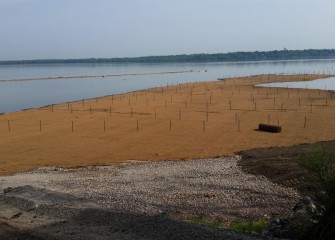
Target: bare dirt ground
{"points": [[280, 165], [187, 121]]}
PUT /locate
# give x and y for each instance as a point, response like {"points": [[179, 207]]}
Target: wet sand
{"points": [[187, 121]]}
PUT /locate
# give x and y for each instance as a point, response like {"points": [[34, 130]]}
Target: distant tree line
{"points": [[203, 57]]}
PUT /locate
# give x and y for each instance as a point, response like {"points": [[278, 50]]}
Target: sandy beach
{"points": [[60, 185], [186, 121]]}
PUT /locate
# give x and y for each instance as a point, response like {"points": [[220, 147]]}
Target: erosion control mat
{"points": [[185, 121]]}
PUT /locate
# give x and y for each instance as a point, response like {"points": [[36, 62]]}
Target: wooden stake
{"points": [[8, 123], [72, 126], [305, 122], [40, 126]]}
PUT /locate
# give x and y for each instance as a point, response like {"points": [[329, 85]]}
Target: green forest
{"points": [[203, 57]]}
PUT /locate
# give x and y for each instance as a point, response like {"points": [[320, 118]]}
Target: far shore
{"points": [[179, 122]]}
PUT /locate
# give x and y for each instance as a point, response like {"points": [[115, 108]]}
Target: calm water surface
{"points": [[15, 96], [323, 84]]}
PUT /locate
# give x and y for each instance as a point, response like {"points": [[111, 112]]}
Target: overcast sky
{"points": [[39, 29]]}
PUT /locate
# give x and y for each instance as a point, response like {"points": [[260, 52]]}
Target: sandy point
{"points": [[185, 121]]}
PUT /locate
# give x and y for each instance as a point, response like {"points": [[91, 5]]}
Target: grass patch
{"points": [[216, 223], [249, 227], [321, 164], [246, 227]]}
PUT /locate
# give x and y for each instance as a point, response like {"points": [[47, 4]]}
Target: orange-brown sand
{"points": [[194, 120]]}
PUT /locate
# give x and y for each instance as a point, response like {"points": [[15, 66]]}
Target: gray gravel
{"points": [[148, 192]]}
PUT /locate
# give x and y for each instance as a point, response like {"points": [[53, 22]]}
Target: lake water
{"points": [[322, 84], [17, 95]]}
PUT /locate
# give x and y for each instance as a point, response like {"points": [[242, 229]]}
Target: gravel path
{"points": [[215, 188]]}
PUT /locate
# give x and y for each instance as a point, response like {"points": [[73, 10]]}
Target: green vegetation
{"points": [[217, 223], [217, 57], [321, 164], [249, 227], [246, 227]]}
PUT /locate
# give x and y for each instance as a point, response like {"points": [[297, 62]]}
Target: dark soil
{"points": [[279, 164]]}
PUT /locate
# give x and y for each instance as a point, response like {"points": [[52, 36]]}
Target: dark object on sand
{"points": [[269, 128]]}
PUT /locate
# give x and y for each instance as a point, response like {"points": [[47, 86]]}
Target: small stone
{"points": [[7, 190], [209, 195]]}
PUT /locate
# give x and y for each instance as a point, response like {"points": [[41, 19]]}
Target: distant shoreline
{"points": [[307, 54]]}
